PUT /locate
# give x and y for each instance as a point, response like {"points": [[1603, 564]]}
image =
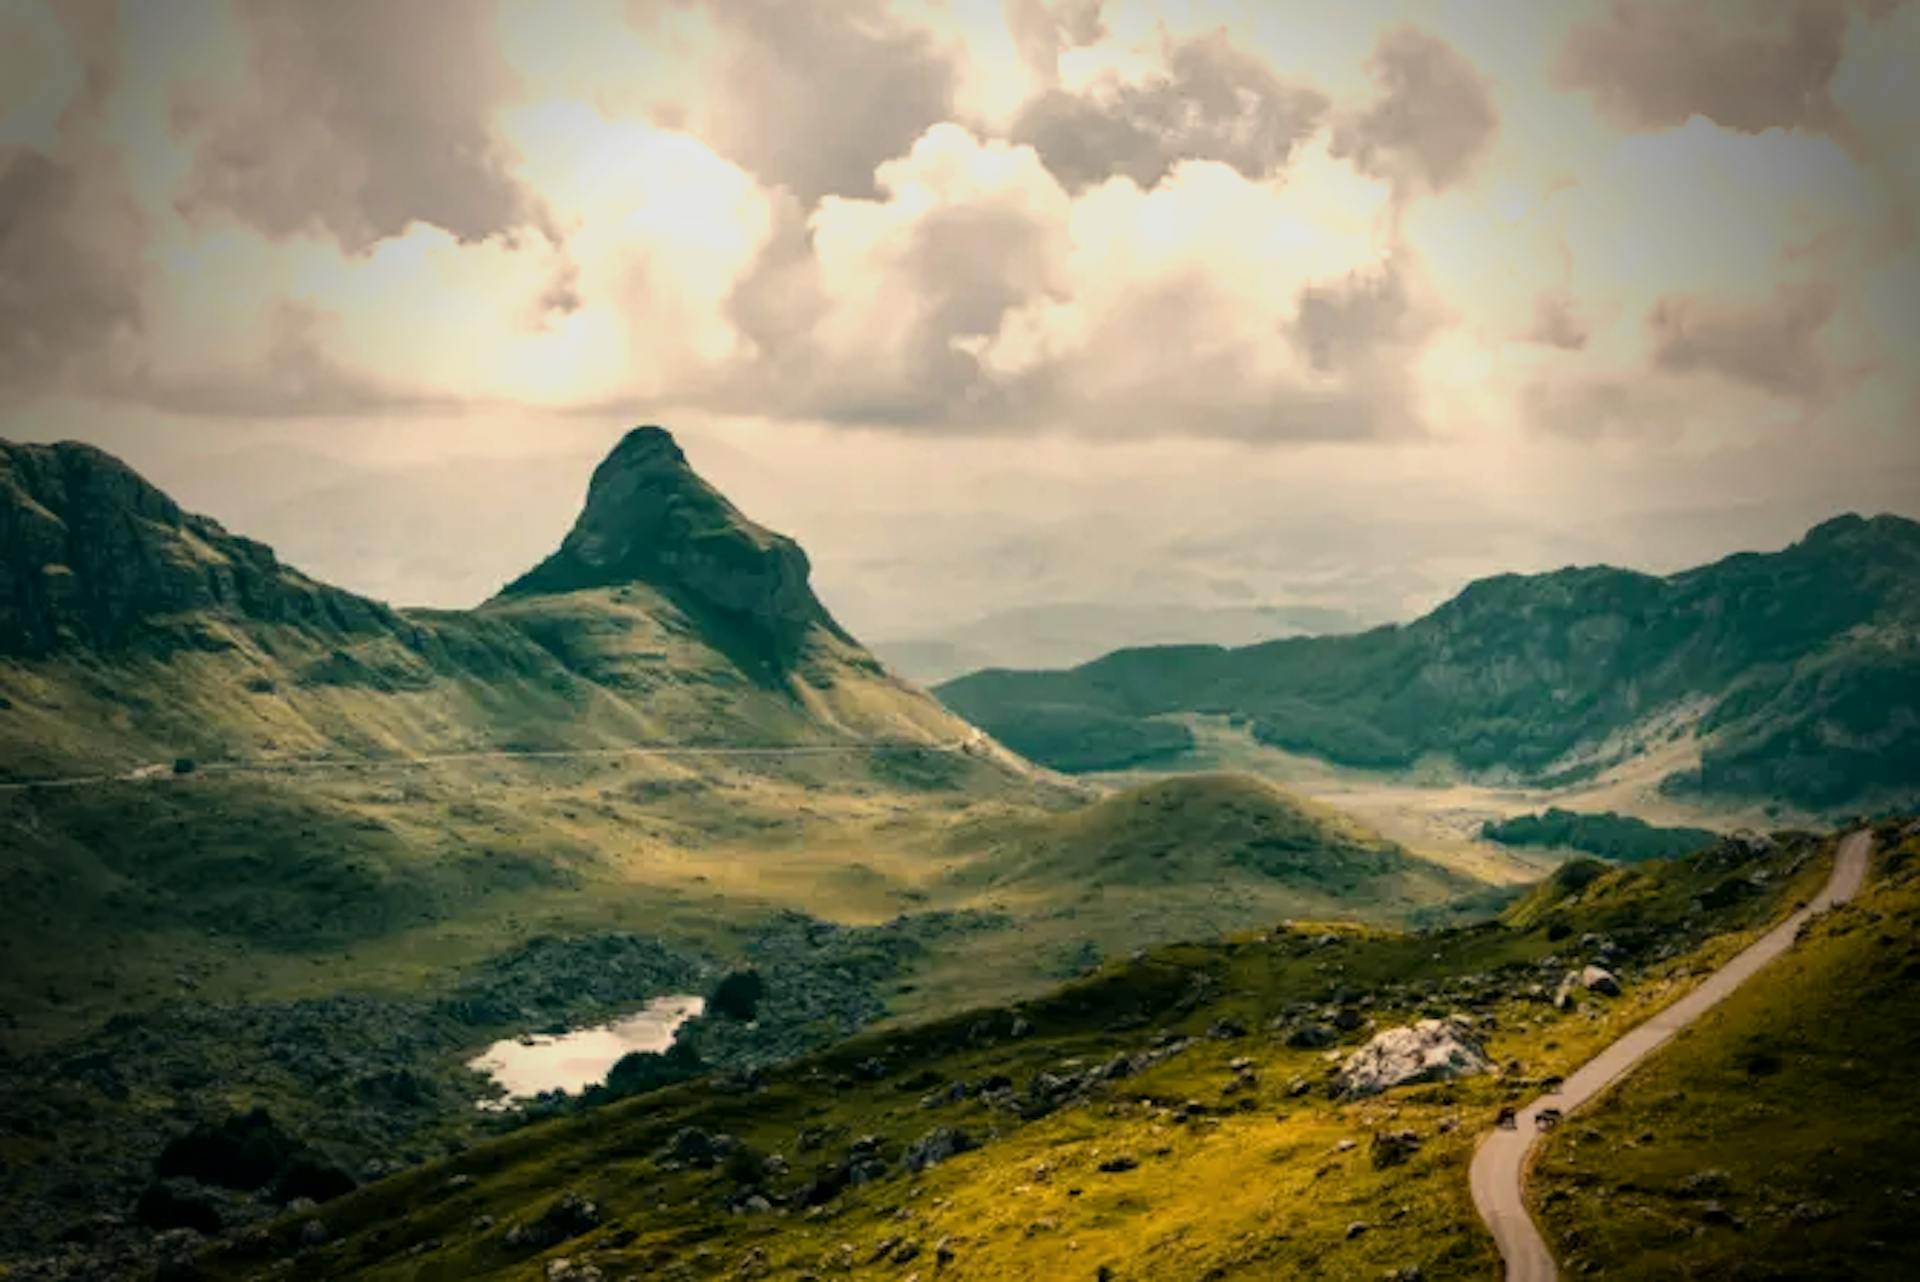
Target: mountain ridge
{"points": [[131, 630], [1807, 662]]}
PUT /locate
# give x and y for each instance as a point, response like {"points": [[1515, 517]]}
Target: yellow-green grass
{"points": [[1789, 1107], [1262, 1184]]}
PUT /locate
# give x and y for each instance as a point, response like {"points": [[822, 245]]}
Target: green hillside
{"points": [[1766, 1143], [1170, 1116], [1800, 670]]}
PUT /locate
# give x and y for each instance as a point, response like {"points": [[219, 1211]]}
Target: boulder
{"points": [[1589, 979], [935, 1147], [1598, 979], [565, 1270], [568, 1217], [1433, 1050], [1391, 1148], [1311, 1037]]}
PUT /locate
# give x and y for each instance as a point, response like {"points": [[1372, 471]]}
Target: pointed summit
{"points": [[651, 519]]}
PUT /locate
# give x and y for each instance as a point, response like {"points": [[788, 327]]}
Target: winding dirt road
{"points": [[1500, 1165]]}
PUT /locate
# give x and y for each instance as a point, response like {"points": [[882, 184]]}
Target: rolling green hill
{"points": [[1799, 670]]}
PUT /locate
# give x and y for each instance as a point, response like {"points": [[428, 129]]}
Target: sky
{"points": [[991, 304]]}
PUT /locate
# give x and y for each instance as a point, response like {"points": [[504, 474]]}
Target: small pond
{"points": [[526, 1066]]}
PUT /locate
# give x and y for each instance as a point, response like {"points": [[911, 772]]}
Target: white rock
{"points": [[1592, 979], [1598, 979], [1433, 1050]]}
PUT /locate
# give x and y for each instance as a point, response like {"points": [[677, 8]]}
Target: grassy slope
{"points": [[1258, 1183], [372, 880], [1185, 858], [1788, 1105], [591, 669]]}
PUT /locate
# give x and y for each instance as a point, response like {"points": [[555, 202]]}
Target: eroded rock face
{"points": [[91, 554], [651, 519], [1433, 1050]]}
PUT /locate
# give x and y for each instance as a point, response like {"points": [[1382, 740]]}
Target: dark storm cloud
{"points": [[1557, 323], [1215, 102], [1751, 68], [1771, 346], [70, 234], [360, 117], [818, 94], [68, 281], [1433, 119], [1043, 29]]}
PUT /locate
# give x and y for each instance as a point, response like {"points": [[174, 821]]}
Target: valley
{"points": [[283, 865], [1106, 1129], [270, 845]]}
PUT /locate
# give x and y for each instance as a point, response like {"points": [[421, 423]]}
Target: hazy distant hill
{"points": [[1801, 667], [1059, 636]]}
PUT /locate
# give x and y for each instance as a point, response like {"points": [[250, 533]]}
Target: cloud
{"points": [[859, 313], [70, 234], [1432, 121], [977, 294], [1213, 102], [1593, 407], [1291, 321], [293, 375], [815, 96], [68, 283], [1557, 322], [1043, 29], [358, 118], [1772, 346], [1748, 68]]}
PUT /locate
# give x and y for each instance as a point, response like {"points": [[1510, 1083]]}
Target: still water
{"points": [[571, 1062]]}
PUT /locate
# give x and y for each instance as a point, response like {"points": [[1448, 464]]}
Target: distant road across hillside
{"points": [[1498, 1174], [163, 773]]}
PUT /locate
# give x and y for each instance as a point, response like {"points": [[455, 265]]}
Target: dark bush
{"points": [[738, 996]]}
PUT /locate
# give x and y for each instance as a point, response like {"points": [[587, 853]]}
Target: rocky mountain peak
{"points": [[650, 518]]}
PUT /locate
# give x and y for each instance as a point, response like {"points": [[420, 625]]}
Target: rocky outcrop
{"points": [[651, 519], [92, 556], [1433, 1050], [1589, 979]]}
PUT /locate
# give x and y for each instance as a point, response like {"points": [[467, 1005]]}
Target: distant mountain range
{"points": [[1798, 670], [132, 631], [1068, 633]]}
